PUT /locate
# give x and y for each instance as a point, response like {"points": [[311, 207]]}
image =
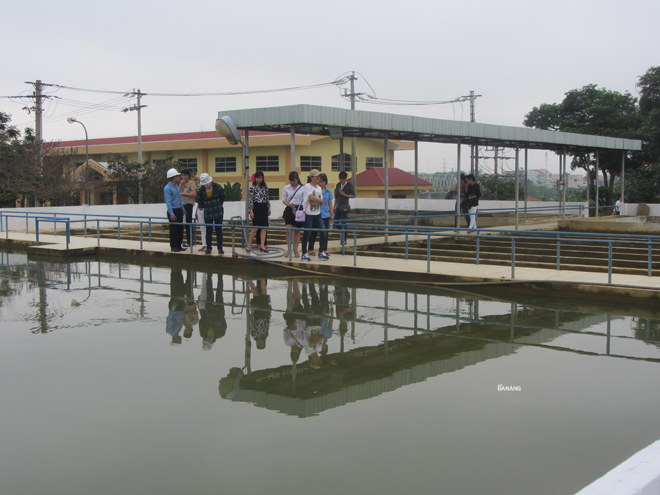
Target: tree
{"points": [[643, 185], [502, 188], [649, 106], [591, 110], [128, 177], [21, 174]]}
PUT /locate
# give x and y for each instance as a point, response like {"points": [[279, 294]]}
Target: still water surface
{"points": [[121, 378]]}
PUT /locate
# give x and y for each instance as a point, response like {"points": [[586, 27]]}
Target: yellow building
{"points": [[270, 152]]}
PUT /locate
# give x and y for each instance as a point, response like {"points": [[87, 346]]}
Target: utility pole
{"points": [[473, 149], [138, 107], [353, 94], [38, 125]]}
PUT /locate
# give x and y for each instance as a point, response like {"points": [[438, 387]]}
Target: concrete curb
{"points": [[639, 475]]}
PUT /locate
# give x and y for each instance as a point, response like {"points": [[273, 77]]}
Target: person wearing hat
{"points": [[174, 209], [313, 199], [211, 198]]}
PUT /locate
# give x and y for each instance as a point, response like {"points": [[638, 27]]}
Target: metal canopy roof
{"points": [[312, 119]]}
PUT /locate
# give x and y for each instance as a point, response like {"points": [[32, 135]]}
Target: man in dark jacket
{"points": [[211, 197]]}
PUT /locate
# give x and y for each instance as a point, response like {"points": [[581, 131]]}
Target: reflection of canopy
{"points": [[371, 371]]}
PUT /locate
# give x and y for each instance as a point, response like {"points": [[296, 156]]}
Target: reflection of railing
{"points": [[355, 228], [368, 318]]}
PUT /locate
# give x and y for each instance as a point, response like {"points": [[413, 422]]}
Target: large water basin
{"points": [[122, 378]]}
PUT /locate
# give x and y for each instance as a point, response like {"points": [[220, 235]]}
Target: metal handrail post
{"points": [[36, 226], [55, 225], [513, 257], [119, 228], [150, 219], [27, 224], [68, 233], [141, 246], [2, 218], [233, 239], [558, 253], [478, 238], [355, 248], [609, 263], [650, 257], [290, 247], [98, 233], [85, 224], [428, 253], [406, 242]]}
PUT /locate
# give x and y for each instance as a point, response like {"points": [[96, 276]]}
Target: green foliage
{"points": [[643, 185], [592, 110], [127, 177], [649, 105], [233, 192], [22, 174], [502, 188]]}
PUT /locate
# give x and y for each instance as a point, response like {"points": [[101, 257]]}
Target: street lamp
{"points": [[227, 129], [71, 120]]}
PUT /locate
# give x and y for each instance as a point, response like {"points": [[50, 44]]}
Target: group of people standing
{"points": [[312, 206], [181, 194], [309, 206]]}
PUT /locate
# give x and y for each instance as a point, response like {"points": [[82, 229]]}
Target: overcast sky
{"points": [[516, 54]]}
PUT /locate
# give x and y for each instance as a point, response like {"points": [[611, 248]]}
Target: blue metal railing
{"points": [[358, 228]]}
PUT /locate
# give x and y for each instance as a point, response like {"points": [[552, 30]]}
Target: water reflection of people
{"points": [[316, 309], [260, 310], [190, 315], [176, 306], [343, 308], [294, 332], [212, 324]]}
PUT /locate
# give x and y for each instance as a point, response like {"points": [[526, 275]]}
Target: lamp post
{"points": [[71, 120], [227, 129]]}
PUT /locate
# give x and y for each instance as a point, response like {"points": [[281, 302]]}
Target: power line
{"points": [[336, 82]]}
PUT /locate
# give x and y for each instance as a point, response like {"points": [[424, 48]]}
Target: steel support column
{"points": [[597, 193], [458, 185], [416, 185], [293, 148], [517, 183]]}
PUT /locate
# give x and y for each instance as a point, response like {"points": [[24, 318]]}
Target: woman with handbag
{"points": [[259, 207], [292, 197]]}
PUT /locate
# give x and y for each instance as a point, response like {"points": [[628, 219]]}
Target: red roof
{"points": [[375, 177], [153, 138]]}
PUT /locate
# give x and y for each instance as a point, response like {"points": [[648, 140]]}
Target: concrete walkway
{"points": [[366, 267]]}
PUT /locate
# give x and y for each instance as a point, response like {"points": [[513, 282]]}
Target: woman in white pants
{"points": [[473, 195]]}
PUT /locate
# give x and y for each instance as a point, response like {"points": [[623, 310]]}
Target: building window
{"points": [[225, 164], [273, 194], [268, 163], [336, 166], [398, 196], [189, 163], [307, 163], [374, 162]]}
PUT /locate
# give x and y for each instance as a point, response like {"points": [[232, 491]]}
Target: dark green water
{"points": [[120, 378]]}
